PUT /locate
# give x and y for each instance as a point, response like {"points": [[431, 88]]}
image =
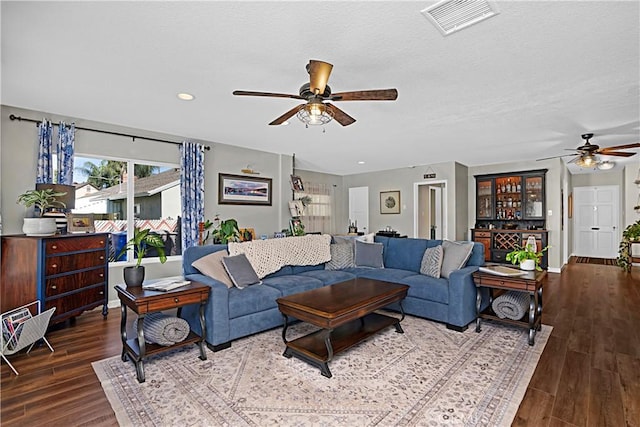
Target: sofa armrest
{"points": [[216, 311], [462, 297]]}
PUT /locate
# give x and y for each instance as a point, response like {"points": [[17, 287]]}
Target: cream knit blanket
{"points": [[269, 256]]}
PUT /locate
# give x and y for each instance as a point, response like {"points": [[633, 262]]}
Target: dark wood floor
{"points": [[589, 373]]}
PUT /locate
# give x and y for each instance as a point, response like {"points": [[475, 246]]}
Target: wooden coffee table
{"points": [[344, 312]]}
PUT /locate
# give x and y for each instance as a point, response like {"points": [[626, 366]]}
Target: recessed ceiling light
{"points": [[186, 96], [361, 162]]}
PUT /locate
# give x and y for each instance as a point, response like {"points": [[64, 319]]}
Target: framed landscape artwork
{"points": [[243, 190], [80, 223], [390, 202]]}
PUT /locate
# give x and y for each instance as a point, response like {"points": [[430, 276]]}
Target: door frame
{"points": [[442, 183]]}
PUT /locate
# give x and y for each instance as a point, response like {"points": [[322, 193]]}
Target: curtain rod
{"points": [[23, 119]]}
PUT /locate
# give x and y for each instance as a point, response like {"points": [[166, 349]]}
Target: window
{"points": [[150, 200], [317, 212]]}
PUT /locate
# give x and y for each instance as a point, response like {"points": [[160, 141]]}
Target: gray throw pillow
{"points": [[456, 255], [368, 254], [240, 271], [211, 265], [341, 256], [432, 261]]}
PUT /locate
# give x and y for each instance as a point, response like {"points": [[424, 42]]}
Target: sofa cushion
{"points": [[297, 269], [329, 277], [427, 288], [393, 275], [288, 285], [211, 265], [252, 299], [432, 261], [455, 256], [368, 255], [341, 256], [405, 254], [240, 271]]}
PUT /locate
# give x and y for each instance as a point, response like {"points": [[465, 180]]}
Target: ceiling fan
{"points": [[316, 110], [586, 154]]}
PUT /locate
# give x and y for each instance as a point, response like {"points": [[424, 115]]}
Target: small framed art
{"points": [[80, 223], [243, 190], [296, 183], [390, 202]]}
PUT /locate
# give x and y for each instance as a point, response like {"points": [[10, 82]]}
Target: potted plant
{"points": [[630, 234], [41, 200], [527, 257], [141, 242], [226, 232]]}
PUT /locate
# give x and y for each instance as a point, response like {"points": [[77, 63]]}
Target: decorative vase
{"points": [[528, 264], [39, 226], [133, 276]]}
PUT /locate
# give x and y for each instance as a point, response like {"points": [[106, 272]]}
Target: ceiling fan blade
{"points": [[617, 153], [366, 95], [318, 75], [620, 147], [286, 116], [269, 94], [340, 116], [555, 157]]}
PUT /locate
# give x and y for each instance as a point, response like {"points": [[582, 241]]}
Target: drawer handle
{"points": [[54, 247], [101, 257], [54, 287], [101, 292], [101, 274], [102, 242], [54, 265], [176, 300]]}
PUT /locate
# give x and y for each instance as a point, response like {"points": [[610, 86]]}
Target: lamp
{"points": [[586, 161], [314, 113], [605, 165]]}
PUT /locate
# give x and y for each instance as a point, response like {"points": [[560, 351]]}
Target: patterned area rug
{"points": [[427, 376], [601, 261]]}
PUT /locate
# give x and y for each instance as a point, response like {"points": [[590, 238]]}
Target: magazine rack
{"points": [[21, 329]]}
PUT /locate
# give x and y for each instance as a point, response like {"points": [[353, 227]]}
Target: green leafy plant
{"points": [[630, 234], [226, 232], [141, 241], [41, 199], [521, 253]]}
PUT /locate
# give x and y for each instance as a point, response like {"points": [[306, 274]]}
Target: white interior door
{"points": [[436, 210], [596, 212], [359, 207]]}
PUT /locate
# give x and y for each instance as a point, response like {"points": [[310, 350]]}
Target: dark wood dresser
{"points": [[69, 272]]}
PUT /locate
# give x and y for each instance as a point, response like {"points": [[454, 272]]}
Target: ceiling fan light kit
{"points": [[316, 111], [605, 165]]}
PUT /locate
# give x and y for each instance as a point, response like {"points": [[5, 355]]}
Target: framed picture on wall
{"points": [[390, 202], [296, 183], [243, 190]]}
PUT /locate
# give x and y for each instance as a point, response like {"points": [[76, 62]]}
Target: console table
{"points": [[142, 302], [531, 283]]}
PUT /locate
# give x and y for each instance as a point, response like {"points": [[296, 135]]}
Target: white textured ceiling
{"points": [[522, 85]]}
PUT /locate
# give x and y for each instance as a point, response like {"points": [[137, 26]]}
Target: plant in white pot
{"points": [[528, 257], [41, 200], [141, 242]]}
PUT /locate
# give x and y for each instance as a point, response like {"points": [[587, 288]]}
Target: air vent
{"points": [[450, 16]]}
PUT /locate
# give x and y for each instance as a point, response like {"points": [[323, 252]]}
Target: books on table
{"points": [[166, 284], [501, 270]]}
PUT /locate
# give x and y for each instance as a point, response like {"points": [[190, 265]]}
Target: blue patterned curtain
{"points": [[191, 191], [44, 172], [66, 139]]}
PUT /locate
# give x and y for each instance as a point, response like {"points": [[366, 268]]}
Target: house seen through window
{"points": [[122, 194]]}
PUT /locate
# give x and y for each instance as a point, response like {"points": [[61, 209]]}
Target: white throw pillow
{"points": [[455, 256], [211, 265]]}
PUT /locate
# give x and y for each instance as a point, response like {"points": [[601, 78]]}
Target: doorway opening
{"points": [[430, 209]]}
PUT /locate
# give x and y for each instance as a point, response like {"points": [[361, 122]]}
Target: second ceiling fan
{"points": [[316, 110], [586, 154]]}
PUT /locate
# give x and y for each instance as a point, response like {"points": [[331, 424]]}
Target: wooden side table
{"points": [[142, 302], [530, 283]]}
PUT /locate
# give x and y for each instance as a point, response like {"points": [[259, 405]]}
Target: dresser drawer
{"points": [[482, 234], [78, 302], [72, 244], [66, 263], [71, 282]]}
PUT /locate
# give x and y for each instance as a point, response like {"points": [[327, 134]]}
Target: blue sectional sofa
{"points": [[232, 313]]}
